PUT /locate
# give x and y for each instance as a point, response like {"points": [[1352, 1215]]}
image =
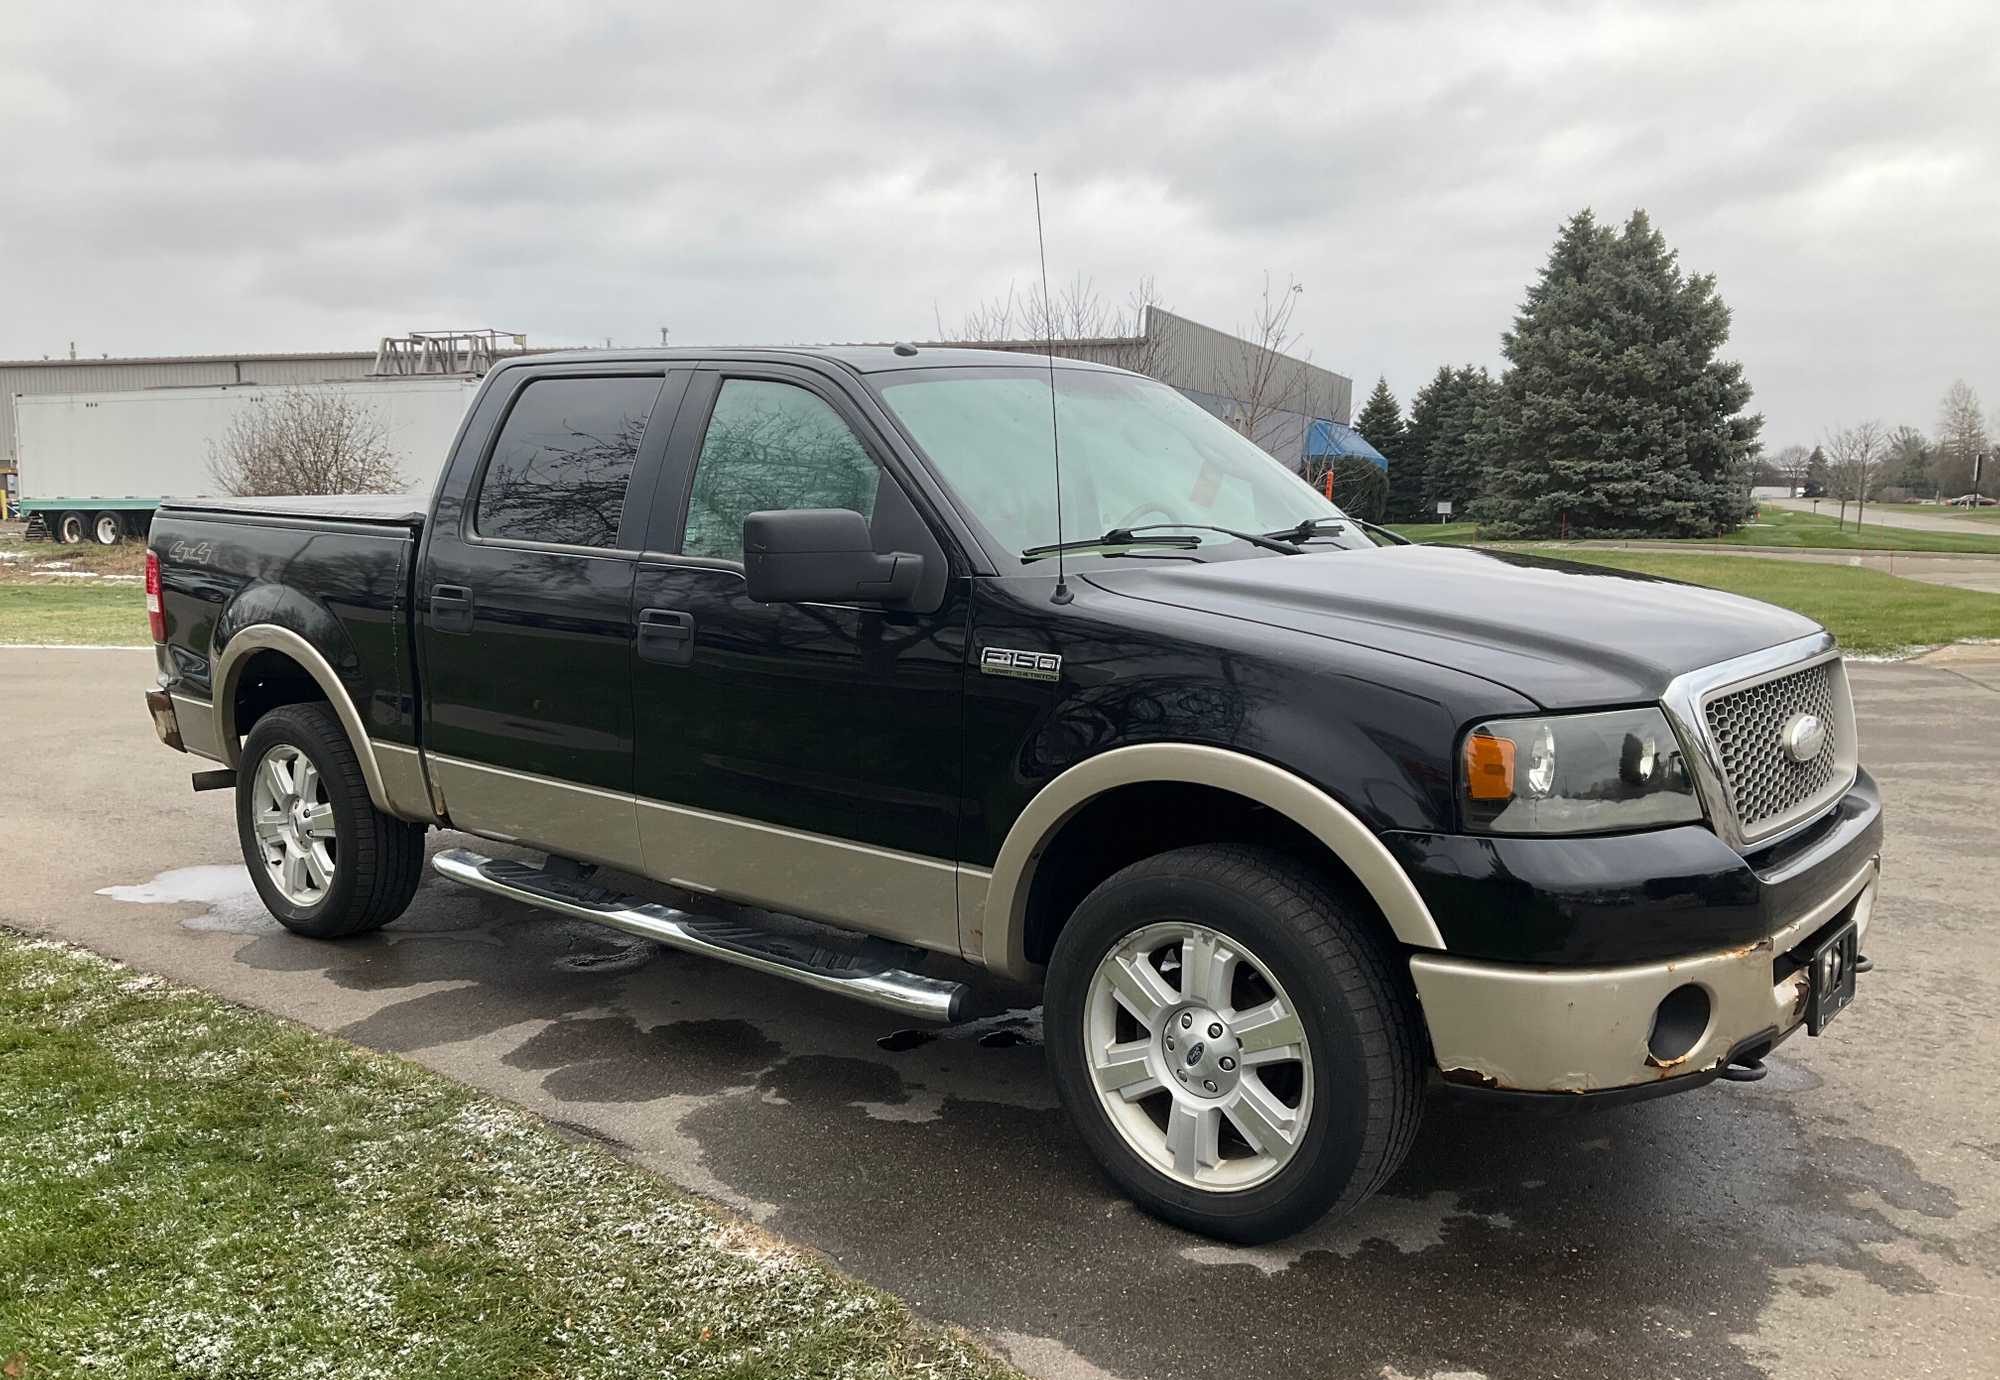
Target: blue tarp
{"points": [[1331, 440]]}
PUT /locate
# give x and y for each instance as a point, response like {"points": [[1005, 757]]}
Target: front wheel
{"points": [[1232, 1039], [326, 862], [69, 529]]}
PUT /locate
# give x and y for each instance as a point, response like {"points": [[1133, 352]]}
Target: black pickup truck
{"points": [[1287, 816]]}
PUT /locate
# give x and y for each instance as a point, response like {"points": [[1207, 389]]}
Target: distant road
{"points": [[1892, 517]]}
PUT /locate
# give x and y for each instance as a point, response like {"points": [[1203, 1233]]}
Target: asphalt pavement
{"points": [[1840, 1218], [1943, 519]]}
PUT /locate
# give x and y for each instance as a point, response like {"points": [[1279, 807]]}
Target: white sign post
{"points": [[1444, 509]]}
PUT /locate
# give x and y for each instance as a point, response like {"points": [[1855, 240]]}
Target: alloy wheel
{"points": [[293, 820], [1198, 1056]]}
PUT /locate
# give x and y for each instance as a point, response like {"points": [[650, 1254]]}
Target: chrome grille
{"points": [[1766, 786]]}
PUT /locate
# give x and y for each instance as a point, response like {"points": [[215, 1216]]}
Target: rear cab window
{"points": [[563, 461]]}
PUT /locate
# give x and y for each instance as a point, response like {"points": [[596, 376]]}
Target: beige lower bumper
{"points": [[1579, 1030]]}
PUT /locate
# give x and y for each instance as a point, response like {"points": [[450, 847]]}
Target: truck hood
{"points": [[1565, 635]]}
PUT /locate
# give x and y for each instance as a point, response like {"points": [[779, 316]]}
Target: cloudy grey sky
{"points": [[185, 179]]}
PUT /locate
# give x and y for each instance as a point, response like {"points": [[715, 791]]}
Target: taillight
{"points": [[156, 617]]}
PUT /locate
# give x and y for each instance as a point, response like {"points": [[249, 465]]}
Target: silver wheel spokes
{"points": [[293, 821], [1198, 1056]]}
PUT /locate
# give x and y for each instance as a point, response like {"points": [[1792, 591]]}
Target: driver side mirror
{"points": [[823, 556]]}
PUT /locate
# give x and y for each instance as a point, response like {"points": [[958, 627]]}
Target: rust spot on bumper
{"points": [[1471, 1078]]}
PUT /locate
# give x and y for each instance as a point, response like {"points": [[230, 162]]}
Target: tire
{"points": [[376, 860], [1357, 1087], [69, 528], [107, 529]]}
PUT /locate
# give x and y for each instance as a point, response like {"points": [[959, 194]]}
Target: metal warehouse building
{"points": [[1294, 409]]}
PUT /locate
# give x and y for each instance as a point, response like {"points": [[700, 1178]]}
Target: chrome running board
{"points": [[865, 976]]}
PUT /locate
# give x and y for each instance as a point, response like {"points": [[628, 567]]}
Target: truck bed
{"points": [[397, 510]]}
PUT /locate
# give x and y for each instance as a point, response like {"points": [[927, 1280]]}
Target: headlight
{"points": [[1575, 774]]}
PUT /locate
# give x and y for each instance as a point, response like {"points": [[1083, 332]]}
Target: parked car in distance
{"points": [[1288, 818], [1972, 501]]}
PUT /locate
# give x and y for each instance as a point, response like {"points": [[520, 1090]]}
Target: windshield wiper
{"points": [[1311, 527], [1117, 536], [1270, 541]]}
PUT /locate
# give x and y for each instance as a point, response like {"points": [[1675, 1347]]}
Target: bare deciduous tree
{"points": [[1856, 456], [1961, 437], [1266, 383], [1793, 465], [1072, 316], [303, 442]]}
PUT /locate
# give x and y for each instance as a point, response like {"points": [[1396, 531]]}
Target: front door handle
{"points": [[451, 609], [666, 636]]}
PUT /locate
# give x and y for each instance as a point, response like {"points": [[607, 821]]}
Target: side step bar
{"points": [[866, 976]]}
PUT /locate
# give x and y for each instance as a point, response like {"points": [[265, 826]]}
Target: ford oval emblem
{"points": [[1804, 736]]}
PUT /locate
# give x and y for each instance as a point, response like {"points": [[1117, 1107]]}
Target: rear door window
{"points": [[564, 460]]}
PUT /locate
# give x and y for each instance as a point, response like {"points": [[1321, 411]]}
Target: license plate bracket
{"points": [[1830, 973]]}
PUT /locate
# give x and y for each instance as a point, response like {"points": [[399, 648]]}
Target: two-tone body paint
{"points": [[875, 749]]}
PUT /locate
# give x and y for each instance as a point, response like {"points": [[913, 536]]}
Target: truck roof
{"points": [[862, 359]]}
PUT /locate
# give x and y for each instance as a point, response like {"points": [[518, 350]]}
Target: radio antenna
{"points": [[1062, 594]]}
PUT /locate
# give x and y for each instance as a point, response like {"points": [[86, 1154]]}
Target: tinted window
{"points": [[563, 461], [771, 446]]}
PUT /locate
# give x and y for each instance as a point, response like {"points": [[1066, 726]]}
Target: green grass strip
{"points": [[188, 1188]]}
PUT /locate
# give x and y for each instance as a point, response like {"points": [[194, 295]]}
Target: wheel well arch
{"points": [[264, 666], [1129, 803]]}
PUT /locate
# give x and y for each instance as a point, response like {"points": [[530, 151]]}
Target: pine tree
{"points": [[1381, 422], [1818, 475], [1615, 418], [1445, 419]]}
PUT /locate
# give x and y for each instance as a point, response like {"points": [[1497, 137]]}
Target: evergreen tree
{"points": [[1615, 418], [1818, 476], [1445, 419], [1381, 422]]}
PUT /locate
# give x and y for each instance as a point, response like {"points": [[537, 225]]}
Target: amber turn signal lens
{"points": [[1489, 767]]}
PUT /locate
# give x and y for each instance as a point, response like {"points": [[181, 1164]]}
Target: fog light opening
{"points": [[1678, 1024]]}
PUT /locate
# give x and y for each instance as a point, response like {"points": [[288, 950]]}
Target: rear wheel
{"points": [[108, 528], [1232, 1039], [326, 862], [69, 528]]}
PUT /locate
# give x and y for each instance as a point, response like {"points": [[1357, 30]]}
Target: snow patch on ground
{"points": [[1408, 1224]]}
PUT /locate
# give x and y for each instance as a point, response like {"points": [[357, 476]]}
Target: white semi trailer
{"points": [[94, 466]]}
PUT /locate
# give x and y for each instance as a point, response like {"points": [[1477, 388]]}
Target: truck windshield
{"points": [[1135, 453]]}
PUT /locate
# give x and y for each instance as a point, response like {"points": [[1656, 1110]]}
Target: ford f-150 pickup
{"points": [[1287, 816]]}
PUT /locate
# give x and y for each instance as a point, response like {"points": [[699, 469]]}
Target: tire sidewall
{"points": [[1335, 1138], [284, 727]]}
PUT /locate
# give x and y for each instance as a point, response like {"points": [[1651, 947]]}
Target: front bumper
{"points": [[1523, 1028]]}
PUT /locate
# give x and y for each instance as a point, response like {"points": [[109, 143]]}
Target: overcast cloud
{"points": [[221, 178]]}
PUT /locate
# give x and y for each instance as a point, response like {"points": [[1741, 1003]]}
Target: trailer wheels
{"points": [[108, 528], [69, 528]]}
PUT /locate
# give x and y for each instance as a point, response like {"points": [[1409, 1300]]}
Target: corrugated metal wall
{"points": [[1225, 374], [118, 375]]}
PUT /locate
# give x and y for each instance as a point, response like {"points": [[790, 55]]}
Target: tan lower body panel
{"points": [[198, 730], [898, 896], [402, 773], [535, 811], [1578, 1030]]}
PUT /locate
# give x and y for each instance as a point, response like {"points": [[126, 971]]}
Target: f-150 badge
{"points": [[1001, 661]]}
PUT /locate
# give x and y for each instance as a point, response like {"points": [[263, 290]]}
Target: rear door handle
{"points": [[451, 609], [666, 636]]}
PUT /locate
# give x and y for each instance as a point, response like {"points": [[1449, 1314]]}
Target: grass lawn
{"points": [[1783, 527], [191, 1189], [78, 613], [1866, 609], [1437, 533]]}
